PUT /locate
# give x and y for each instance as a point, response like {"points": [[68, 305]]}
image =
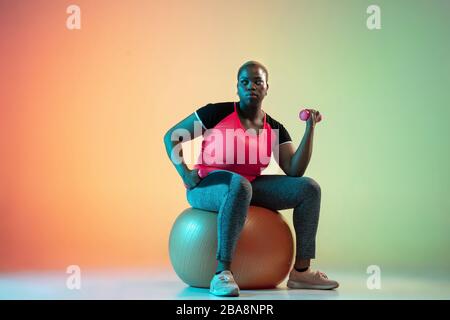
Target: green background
{"points": [[381, 154]]}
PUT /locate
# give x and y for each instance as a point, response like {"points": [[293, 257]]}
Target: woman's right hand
{"points": [[191, 178]]}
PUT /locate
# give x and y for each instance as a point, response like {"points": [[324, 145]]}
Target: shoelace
{"points": [[323, 275], [224, 278]]}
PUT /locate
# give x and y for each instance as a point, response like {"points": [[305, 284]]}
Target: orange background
{"points": [[84, 177]]}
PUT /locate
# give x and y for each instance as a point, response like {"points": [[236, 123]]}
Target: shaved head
{"points": [[253, 64]]}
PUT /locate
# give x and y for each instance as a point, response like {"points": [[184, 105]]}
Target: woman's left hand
{"points": [[314, 117]]}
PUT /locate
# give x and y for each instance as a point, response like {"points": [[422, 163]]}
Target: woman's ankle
{"points": [[302, 264], [223, 266]]}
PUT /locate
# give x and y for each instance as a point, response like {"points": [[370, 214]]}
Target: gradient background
{"points": [[84, 177]]}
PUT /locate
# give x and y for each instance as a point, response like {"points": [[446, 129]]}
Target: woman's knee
{"points": [[310, 186], [241, 186]]}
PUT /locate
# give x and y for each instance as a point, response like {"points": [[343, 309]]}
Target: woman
{"points": [[228, 180]]}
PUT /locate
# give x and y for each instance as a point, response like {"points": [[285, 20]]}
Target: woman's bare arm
{"points": [[185, 130], [294, 163]]}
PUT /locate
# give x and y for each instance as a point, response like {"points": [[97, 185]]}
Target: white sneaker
{"points": [[223, 284], [310, 279]]}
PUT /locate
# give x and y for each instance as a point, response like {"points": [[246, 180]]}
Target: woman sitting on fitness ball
{"points": [[228, 179]]}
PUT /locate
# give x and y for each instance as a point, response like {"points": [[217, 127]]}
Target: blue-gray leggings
{"points": [[230, 194]]}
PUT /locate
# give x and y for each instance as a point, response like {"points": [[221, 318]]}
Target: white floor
{"points": [[165, 285]]}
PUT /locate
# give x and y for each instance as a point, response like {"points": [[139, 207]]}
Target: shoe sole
{"points": [[219, 294], [300, 285]]}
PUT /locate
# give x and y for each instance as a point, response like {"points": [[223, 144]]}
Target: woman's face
{"points": [[252, 85]]}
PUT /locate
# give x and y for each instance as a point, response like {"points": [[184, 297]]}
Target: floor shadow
{"points": [[265, 294]]}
